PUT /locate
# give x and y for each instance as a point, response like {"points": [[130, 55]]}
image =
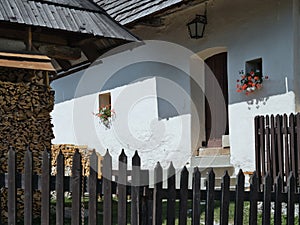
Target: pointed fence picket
{"points": [[147, 205], [277, 147]]}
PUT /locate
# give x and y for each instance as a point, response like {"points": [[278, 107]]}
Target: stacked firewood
{"points": [[25, 106], [25, 122], [68, 151], [20, 204]]}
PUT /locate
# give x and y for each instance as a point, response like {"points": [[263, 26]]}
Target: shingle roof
{"points": [[127, 11], [81, 16], [73, 33]]}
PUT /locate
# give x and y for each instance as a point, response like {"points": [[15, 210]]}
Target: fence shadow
{"points": [[146, 205]]}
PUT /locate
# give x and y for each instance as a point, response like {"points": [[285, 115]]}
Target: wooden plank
{"points": [[210, 203], [107, 189], [36, 14], [279, 145], [258, 161], [43, 15], [277, 202], [157, 195], [45, 217], [93, 187], [60, 52], [239, 199], [28, 197], [135, 190], [122, 196], [268, 145], [298, 144], [59, 186], [49, 13], [17, 15], [291, 200], [196, 196], [274, 156], [286, 146], [76, 188], [267, 200], [183, 207], [23, 12], [12, 191], [9, 11], [224, 206], [30, 13], [262, 145], [171, 195], [292, 145], [254, 188], [147, 202], [27, 65]]}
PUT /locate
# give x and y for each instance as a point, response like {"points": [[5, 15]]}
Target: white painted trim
{"points": [[209, 52]]}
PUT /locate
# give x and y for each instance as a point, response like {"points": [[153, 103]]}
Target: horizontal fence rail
{"points": [[125, 190]]}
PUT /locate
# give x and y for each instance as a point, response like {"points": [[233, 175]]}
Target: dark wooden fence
{"points": [[146, 205], [277, 145]]}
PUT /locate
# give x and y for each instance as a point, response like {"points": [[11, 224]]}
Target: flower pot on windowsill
{"points": [[250, 82]]}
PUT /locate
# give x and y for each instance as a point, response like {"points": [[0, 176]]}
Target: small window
{"points": [[254, 65], [104, 100]]}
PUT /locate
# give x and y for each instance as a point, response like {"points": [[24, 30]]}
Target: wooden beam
{"points": [[91, 51], [60, 52], [24, 56], [27, 64], [29, 39], [20, 33], [65, 65]]}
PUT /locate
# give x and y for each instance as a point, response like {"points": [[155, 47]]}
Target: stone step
{"points": [[210, 161], [213, 151]]}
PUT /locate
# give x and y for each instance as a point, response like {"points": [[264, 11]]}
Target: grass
{"points": [[68, 204]]}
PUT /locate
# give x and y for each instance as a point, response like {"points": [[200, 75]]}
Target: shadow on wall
{"points": [[172, 85], [257, 103]]}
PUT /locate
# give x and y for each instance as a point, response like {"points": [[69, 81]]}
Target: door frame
{"points": [[216, 74], [199, 119]]}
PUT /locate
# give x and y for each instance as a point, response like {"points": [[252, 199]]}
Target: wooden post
{"points": [[278, 205], [135, 189], [107, 186], [171, 195], [29, 39], [196, 196], [93, 187], [254, 188], [45, 220], [28, 198], [258, 160], [183, 196], [122, 196], [239, 199], [76, 188], [291, 199], [225, 194], [60, 197], [157, 195], [210, 197], [12, 190], [267, 200]]}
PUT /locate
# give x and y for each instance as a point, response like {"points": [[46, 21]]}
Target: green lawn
{"points": [[68, 204]]}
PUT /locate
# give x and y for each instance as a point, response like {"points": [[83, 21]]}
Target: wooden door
{"points": [[217, 66]]}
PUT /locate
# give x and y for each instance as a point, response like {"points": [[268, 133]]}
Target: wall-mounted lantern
{"points": [[197, 26]]}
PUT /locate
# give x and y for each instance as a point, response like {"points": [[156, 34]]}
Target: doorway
{"points": [[216, 116]]}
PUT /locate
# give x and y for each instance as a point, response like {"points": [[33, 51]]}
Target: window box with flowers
{"points": [[105, 115], [250, 82]]}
